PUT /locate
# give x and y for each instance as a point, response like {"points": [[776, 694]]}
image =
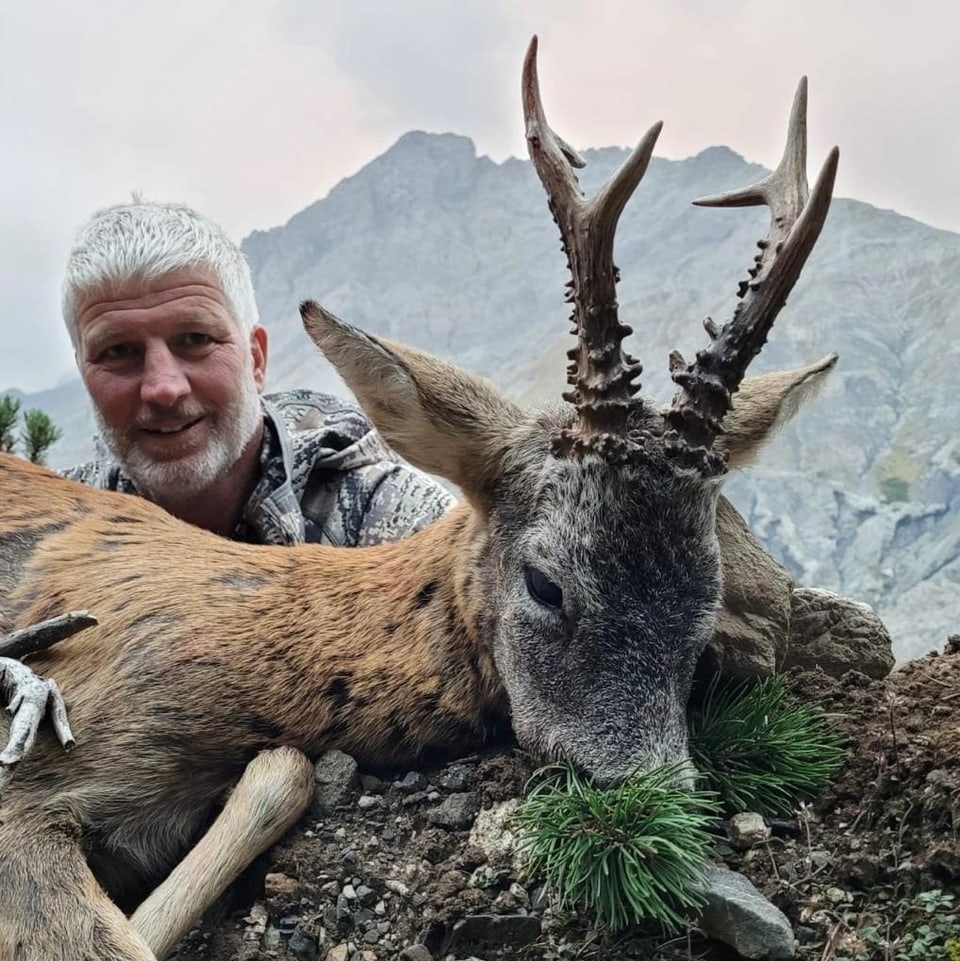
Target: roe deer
{"points": [[573, 591]]}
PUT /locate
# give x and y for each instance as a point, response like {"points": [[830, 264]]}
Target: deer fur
{"points": [[210, 651]]}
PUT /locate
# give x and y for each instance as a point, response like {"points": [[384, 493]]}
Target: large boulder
{"points": [[752, 631], [837, 634]]}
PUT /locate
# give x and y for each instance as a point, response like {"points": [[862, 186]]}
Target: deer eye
{"points": [[542, 589]]}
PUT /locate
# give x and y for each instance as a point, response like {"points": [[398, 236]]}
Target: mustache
{"points": [[154, 420]]}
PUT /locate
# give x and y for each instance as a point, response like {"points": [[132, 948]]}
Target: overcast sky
{"points": [[252, 109]]}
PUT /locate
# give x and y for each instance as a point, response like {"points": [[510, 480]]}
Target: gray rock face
{"points": [[836, 634], [455, 253], [737, 914]]}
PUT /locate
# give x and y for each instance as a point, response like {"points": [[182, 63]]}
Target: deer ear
{"points": [[763, 404], [441, 418]]}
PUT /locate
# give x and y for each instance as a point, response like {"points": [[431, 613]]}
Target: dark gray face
{"points": [[607, 581]]}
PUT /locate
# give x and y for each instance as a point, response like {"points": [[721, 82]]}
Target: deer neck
{"points": [[405, 669]]}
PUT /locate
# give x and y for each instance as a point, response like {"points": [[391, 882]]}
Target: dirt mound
{"points": [[869, 869]]}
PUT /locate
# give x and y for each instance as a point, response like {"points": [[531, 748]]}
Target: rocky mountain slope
{"points": [[453, 252]]}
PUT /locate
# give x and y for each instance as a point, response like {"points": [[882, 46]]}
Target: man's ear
{"points": [[764, 404], [258, 352], [438, 416]]}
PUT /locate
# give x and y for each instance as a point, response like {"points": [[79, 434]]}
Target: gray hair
{"points": [[144, 240]]}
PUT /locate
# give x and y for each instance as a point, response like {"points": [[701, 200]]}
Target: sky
{"points": [[250, 110]]}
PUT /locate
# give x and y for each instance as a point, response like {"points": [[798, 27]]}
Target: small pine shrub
{"points": [[624, 854], [760, 750]]}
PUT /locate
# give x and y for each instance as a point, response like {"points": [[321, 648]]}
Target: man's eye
{"points": [[196, 339], [117, 352]]}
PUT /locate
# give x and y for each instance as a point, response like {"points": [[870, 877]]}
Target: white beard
{"points": [[174, 481]]}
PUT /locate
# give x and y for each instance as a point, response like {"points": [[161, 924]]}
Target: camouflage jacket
{"points": [[326, 477]]}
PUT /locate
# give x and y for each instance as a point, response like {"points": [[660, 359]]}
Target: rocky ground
{"points": [[402, 865]]}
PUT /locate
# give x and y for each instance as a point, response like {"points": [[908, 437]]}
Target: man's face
{"points": [[174, 383]]}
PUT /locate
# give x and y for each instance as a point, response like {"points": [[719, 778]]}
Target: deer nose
{"points": [[164, 382]]}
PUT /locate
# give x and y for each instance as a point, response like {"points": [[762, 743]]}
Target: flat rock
{"points": [[737, 914]]}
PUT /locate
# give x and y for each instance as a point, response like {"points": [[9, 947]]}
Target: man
{"points": [[160, 307]]}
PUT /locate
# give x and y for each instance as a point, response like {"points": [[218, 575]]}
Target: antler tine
{"points": [[796, 219], [601, 374]]}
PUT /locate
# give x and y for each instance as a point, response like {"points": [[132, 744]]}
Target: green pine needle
{"points": [[625, 854], [759, 749]]}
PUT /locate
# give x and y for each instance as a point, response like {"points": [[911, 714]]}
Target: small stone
{"points": [[418, 797], [371, 936], [397, 887], [411, 782], [367, 896], [453, 779], [747, 829], [820, 858], [340, 952], [457, 811], [520, 893], [416, 952], [367, 801], [271, 939], [281, 886], [331, 889], [334, 780], [303, 946], [349, 892], [484, 877], [493, 833]]}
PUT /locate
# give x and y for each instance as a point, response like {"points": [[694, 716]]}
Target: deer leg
{"points": [[270, 797], [51, 906]]}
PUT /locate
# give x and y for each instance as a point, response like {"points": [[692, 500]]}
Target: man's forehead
{"points": [[182, 291]]}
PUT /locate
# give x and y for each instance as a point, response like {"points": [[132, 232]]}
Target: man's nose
{"points": [[164, 382]]}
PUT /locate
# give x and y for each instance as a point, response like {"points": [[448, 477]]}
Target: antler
{"points": [[601, 374], [796, 217]]}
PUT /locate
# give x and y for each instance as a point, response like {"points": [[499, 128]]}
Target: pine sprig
{"points": [[625, 854], [759, 749]]}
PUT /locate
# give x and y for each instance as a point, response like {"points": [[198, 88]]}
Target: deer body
{"points": [[234, 647], [575, 589]]}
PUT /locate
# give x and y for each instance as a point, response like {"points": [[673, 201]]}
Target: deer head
{"points": [[596, 556]]}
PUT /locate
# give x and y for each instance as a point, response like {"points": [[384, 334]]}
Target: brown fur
{"points": [[209, 652]]}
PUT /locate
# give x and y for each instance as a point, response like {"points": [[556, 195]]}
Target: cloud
{"points": [[252, 109]]}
